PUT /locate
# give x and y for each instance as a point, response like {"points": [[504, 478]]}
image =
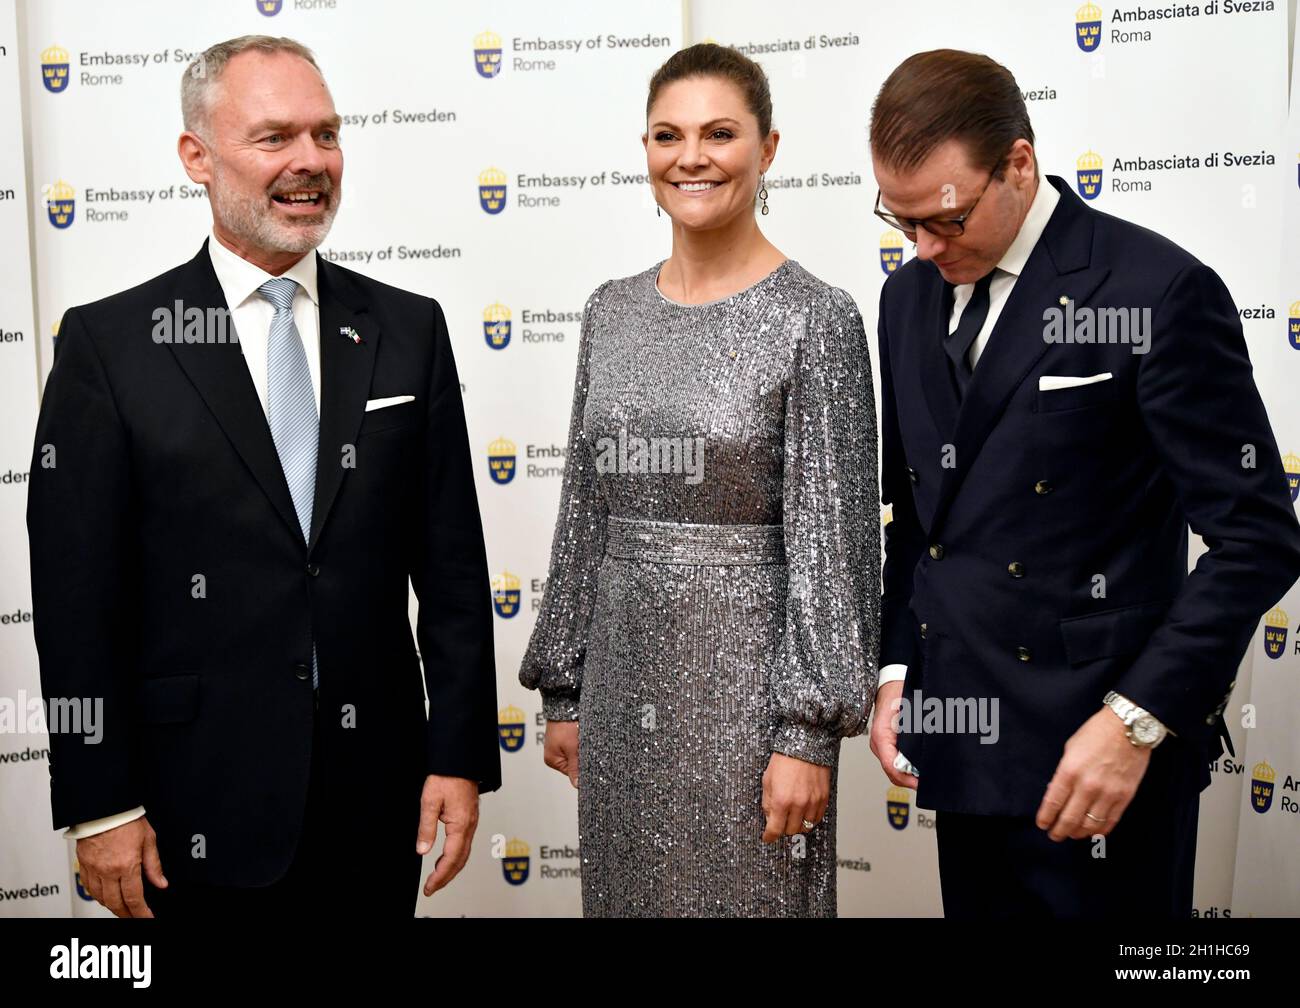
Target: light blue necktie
{"points": [[291, 409]]}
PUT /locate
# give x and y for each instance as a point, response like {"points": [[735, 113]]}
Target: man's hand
{"points": [[1099, 773], [110, 867], [453, 801], [561, 749], [793, 790], [884, 738]]}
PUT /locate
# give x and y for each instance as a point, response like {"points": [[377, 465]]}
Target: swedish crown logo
{"points": [[510, 728], [514, 866], [77, 883], [61, 204], [487, 54], [1087, 27], [1262, 777], [898, 805], [54, 69], [891, 251], [1275, 623], [269, 8], [1088, 175], [1293, 325], [505, 595], [492, 190], [496, 326], [1291, 463], [501, 460]]}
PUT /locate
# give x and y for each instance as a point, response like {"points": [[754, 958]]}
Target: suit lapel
{"points": [[220, 374], [1059, 266], [346, 368]]}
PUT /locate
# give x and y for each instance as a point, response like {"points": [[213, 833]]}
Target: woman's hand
{"points": [[561, 749], [793, 791]]}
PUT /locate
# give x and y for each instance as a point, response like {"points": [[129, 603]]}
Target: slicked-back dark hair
{"points": [[947, 94]]}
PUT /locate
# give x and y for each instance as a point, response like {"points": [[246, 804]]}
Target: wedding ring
{"points": [[1093, 817], [808, 825]]}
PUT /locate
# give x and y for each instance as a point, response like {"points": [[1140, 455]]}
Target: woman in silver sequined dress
{"points": [[710, 620]]}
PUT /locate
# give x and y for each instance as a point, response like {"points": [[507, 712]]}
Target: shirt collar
{"points": [[240, 279], [1040, 211]]}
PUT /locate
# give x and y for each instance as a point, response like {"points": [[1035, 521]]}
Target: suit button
{"points": [[1022, 653], [1210, 720], [923, 631], [312, 570], [1042, 487], [912, 475], [936, 552], [1016, 569], [302, 672]]}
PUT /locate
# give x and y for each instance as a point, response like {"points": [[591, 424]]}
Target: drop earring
{"points": [[762, 193]]}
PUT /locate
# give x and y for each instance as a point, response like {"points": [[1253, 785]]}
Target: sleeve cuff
{"points": [[86, 829], [560, 705], [891, 673], [808, 743]]}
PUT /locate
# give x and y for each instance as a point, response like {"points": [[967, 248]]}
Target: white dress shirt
{"points": [[1005, 275], [251, 313], [251, 316]]}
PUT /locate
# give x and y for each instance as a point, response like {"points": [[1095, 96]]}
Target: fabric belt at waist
{"points": [[696, 545]]}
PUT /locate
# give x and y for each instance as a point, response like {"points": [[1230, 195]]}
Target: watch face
{"points": [[1146, 730]]}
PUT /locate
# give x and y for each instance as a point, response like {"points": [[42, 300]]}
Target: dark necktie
{"points": [[958, 342]]}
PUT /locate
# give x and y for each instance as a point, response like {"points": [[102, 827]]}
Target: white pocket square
{"points": [[374, 404], [1050, 383]]}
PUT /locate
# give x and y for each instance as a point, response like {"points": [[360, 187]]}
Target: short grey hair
{"points": [[202, 75]]}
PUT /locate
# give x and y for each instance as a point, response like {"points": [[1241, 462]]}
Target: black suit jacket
{"points": [[1097, 480], [164, 471]]}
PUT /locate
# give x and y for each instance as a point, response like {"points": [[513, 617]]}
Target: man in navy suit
{"points": [[1062, 394], [238, 466]]}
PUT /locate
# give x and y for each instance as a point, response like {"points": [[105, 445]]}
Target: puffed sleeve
{"points": [[553, 661], [826, 675]]}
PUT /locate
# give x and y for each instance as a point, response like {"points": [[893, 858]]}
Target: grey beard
{"points": [[247, 220]]}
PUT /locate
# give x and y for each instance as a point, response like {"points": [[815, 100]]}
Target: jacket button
{"points": [[1042, 487], [312, 570], [1210, 720], [912, 475], [936, 552], [302, 671], [1022, 653], [923, 631], [1016, 569]]}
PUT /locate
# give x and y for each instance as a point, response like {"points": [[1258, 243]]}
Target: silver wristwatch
{"points": [[1144, 731]]}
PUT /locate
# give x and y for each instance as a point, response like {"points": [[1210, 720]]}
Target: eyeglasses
{"points": [[940, 227]]}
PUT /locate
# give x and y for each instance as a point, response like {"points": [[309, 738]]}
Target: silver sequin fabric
{"points": [[698, 618]]}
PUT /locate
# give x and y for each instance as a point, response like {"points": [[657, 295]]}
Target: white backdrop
{"points": [[426, 123], [1267, 878]]}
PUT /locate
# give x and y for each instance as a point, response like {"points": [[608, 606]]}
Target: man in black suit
{"points": [[238, 465], [1063, 393]]}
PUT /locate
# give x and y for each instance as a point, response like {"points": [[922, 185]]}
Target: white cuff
{"points": [[891, 673], [85, 829]]}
